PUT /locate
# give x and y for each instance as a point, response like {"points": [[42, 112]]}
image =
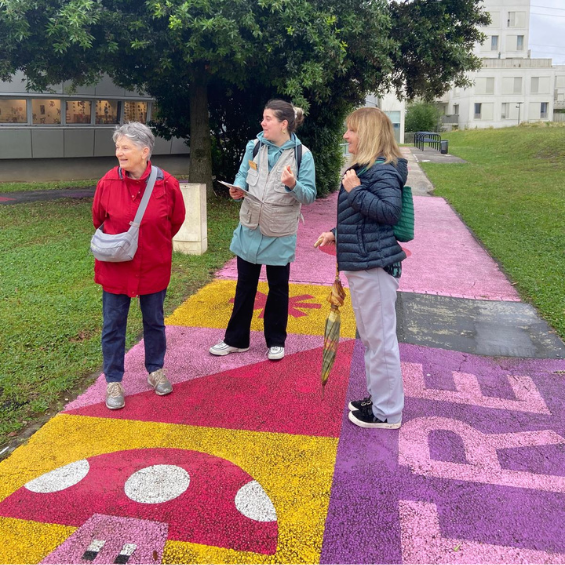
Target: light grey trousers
{"points": [[373, 295]]}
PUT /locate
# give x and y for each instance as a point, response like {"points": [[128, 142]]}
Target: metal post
{"points": [[519, 105]]}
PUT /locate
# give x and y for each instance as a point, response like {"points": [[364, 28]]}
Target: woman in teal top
{"points": [[274, 180]]}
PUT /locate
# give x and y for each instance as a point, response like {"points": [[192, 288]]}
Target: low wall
{"points": [[36, 170]]}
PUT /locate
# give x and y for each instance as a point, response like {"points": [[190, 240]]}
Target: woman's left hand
{"points": [[287, 178], [350, 180]]}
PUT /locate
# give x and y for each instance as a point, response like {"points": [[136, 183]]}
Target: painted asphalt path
{"points": [[245, 463]]}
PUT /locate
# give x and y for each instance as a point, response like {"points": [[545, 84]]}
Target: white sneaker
{"points": [[223, 348], [275, 353]]}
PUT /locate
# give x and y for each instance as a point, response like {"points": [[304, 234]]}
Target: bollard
{"points": [[192, 238]]}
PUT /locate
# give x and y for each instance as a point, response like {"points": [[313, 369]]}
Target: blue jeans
{"points": [[115, 308]]}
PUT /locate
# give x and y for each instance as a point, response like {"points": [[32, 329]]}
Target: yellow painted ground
{"points": [[211, 308], [295, 471]]}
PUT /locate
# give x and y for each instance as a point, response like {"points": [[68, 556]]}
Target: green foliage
{"points": [[510, 193], [324, 55], [50, 308], [422, 116]]}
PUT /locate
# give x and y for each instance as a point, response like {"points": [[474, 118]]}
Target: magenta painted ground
{"points": [[188, 358], [446, 259], [201, 510], [246, 397]]}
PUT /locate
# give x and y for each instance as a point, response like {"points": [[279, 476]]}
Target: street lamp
{"points": [[518, 105]]}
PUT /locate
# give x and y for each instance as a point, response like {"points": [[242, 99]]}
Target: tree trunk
{"points": [[200, 145]]}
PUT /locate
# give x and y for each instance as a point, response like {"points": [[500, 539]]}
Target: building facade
{"points": [[511, 87], [62, 135]]}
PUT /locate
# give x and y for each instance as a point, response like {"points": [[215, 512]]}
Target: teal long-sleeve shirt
{"points": [[251, 245]]}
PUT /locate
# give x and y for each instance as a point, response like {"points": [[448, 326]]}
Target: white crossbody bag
{"points": [[120, 247]]}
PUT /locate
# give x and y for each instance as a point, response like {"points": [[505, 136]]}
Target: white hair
{"points": [[139, 133]]}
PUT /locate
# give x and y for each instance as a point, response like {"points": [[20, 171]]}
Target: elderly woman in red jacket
{"points": [[117, 198]]}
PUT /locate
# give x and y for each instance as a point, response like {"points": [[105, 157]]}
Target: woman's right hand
{"points": [[325, 238], [236, 193]]}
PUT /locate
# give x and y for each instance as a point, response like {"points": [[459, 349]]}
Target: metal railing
{"points": [[433, 139]]}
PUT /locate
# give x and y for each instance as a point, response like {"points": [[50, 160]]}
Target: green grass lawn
{"points": [[511, 193], [50, 308]]}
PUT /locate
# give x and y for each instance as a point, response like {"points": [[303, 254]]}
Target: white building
{"points": [[395, 109], [511, 87]]}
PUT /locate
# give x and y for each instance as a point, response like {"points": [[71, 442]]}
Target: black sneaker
{"points": [[357, 404], [364, 418]]}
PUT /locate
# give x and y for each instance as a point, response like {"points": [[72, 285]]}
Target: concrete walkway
{"points": [[246, 462]]}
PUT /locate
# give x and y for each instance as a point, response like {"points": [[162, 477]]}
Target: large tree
{"points": [[224, 58]]}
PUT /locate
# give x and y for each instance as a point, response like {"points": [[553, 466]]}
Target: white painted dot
{"points": [[254, 503], [158, 483], [61, 478]]}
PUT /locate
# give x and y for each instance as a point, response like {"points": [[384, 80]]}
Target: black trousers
{"points": [[276, 309]]}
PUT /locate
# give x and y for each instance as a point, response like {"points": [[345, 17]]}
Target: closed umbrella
{"points": [[331, 333]]}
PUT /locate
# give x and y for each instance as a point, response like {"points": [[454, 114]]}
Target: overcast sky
{"points": [[547, 30]]}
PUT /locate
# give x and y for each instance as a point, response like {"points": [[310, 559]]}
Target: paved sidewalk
{"points": [[42, 195], [246, 463]]}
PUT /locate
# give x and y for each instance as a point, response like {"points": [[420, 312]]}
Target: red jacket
{"points": [[116, 200]]}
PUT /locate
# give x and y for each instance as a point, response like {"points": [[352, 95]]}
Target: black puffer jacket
{"points": [[365, 216]]}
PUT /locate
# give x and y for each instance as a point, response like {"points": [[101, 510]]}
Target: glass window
{"points": [[535, 85], [477, 111], [456, 109], [13, 111], [489, 86], [394, 116], [135, 112], [511, 19], [46, 111], [520, 43], [108, 111], [78, 111], [494, 43], [504, 114], [517, 85], [543, 110]]}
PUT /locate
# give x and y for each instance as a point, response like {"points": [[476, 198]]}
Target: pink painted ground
{"points": [[446, 260]]}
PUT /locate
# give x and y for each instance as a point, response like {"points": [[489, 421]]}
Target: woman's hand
{"points": [[237, 193], [287, 178], [326, 238], [350, 180]]}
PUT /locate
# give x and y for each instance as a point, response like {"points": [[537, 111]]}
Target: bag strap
{"points": [[146, 195], [297, 154], [379, 161]]}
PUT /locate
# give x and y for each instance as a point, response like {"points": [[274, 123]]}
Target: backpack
{"points": [[297, 154]]}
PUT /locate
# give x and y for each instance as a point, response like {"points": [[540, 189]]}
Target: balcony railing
{"points": [[454, 119]]}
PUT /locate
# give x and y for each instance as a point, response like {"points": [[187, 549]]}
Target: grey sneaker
{"points": [[222, 348], [115, 396], [275, 353], [160, 383]]}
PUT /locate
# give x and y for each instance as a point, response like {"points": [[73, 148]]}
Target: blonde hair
{"points": [[375, 137]]}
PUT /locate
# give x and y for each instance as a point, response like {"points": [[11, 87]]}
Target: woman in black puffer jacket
{"points": [[369, 205]]}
